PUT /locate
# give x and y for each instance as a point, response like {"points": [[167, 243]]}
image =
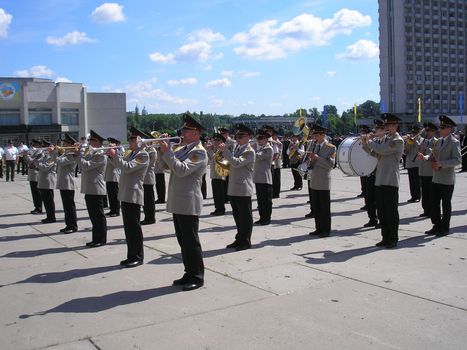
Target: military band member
{"points": [[187, 165], [444, 158], [231, 143], [370, 189], [66, 164], [111, 178], [46, 183], [276, 160], [33, 175], [92, 165], [410, 151], [309, 145], [322, 161], [262, 177], [389, 153], [149, 206], [463, 143], [218, 182], [240, 187], [425, 172], [295, 153], [133, 166]]}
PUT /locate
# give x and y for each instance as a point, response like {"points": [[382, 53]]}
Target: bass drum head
{"points": [[343, 156], [362, 163]]}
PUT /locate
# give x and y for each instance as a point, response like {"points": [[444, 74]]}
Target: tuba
{"points": [[300, 128], [221, 166]]}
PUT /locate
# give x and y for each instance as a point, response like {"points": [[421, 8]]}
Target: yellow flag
{"points": [[355, 113], [300, 113], [419, 110]]}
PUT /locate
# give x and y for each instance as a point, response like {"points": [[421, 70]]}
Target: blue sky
{"points": [[233, 57]]}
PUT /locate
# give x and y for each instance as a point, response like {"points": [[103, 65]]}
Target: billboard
{"points": [[9, 91]]}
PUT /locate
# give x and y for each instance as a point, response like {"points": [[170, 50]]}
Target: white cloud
{"points": [[5, 21], [330, 73], [145, 91], [316, 98], [108, 13], [361, 50], [227, 73], [270, 40], [160, 58], [224, 82], [72, 38], [187, 81], [62, 80], [35, 72], [198, 49], [216, 102], [246, 74], [206, 35]]}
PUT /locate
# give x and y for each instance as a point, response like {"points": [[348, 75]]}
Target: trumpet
{"points": [[103, 148], [141, 142]]}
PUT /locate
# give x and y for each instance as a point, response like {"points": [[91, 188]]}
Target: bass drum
{"points": [[352, 158]]}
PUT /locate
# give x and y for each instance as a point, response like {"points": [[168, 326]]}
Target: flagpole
{"points": [[419, 109]]}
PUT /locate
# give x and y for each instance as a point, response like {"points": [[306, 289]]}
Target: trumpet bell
{"points": [[221, 166]]}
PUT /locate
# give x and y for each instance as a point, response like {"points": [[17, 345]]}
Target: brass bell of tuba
{"points": [[221, 166]]}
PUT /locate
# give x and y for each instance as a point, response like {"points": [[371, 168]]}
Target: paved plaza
{"points": [[290, 291]]}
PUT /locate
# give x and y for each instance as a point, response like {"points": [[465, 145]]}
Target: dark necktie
{"points": [[442, 141]]}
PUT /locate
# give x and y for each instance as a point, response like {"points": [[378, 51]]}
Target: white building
{"points": [[43, 109]]}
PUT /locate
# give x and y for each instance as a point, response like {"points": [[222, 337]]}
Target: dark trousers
{"points": [[309, 197], [226, 188], [276, 182], [243, 216], [264, 199], [363, 185], [95, 207], [160, 186], [22, 166], [464, 161], [297, 178], [218, 193], [112, 193], [149, 207], [441, 193], [186, 229], [414, 183], [427, 194], [370, 196], [69, 208], [1, 168], [36, 195], [131, 214], [204, 187], [321, 200], [387, 201], [10, 169], [49, 204]]}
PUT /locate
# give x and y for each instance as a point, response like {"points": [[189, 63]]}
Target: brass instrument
{"points": [[409, 140], [221, 166], [299, 128], [141, 142], [103, 148]]}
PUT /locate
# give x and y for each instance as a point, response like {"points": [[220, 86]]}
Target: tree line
{"points": [[337, 124]]}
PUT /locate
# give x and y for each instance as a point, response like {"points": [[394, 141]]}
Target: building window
{"points": [[9, 117], [40, 116], [70, 116]]}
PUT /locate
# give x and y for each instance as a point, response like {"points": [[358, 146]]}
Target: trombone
{"points": [[142, 142]]}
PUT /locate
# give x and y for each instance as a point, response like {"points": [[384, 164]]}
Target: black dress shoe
{"points": [[192, 285], [112, 215], [314, 233], [293, 188], [381, 244], [324, 235], [96, 244], [234, 244], [108, 214], [298, 188], [433, 231], [181, 281], [218, 213], [159, 201], [364, 207], [64, 229], [48, 221], [262, 222], [36, 211], [310, 215], [422, 215], [391, 245], [442, 233], [70, 230], [132, 263], [360, 195], [371, 223], [88, 244], [413, 200], [243, 247], [146, 222]]}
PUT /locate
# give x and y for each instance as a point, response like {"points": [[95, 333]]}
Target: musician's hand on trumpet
{"points": [[222, 147], [111, 152], [420, 156]]}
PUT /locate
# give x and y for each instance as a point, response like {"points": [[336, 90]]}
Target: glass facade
{"points": [[9, 117], [40, 116], [70, 116]]}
